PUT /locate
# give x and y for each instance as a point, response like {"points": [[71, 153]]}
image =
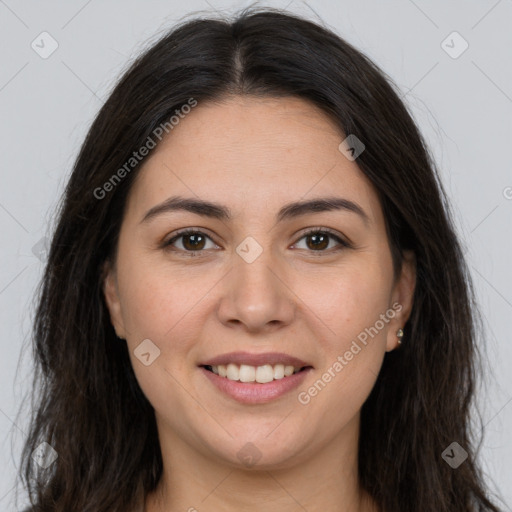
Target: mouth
{"points": [[255, 378], [254, 374]]}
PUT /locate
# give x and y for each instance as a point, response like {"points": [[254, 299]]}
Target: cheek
{"points": [[160, 308], [156, 302], [165, 308], [347, 301]]}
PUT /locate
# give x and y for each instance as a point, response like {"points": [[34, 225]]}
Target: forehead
{"points": [[253, 153]]}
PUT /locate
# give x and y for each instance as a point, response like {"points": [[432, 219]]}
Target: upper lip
{"points": [[247, 358]]}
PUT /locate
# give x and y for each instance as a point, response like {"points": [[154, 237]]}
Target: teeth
{"points": [[233, 372], [260, 374], [279, 371], [247, 373], [264, 374]]}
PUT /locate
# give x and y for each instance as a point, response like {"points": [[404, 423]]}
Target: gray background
{"points": [[463, 106]]}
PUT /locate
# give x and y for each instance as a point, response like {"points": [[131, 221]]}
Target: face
{"points": [[262, 285]]}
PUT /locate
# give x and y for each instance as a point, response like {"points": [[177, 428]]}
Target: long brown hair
{"points": [[87, 404]]}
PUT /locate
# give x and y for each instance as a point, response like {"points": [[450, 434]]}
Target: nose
{"points": [[257, 296]]}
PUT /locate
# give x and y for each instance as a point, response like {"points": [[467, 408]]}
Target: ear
{"points": [[111, 293], [402, 299]]}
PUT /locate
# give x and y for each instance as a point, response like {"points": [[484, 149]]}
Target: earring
{"points": [[400, 334]]}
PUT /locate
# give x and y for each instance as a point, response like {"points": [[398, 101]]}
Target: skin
{"points": [[254, 156]]}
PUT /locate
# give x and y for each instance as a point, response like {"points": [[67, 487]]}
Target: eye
{"points": [[192, 242], [319, 240]]}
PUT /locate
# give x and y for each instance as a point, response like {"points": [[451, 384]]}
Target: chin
{"points": [[260, 453]]}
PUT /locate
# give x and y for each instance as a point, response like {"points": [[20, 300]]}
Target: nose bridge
{"points": [[256, 294], [253, 264]]}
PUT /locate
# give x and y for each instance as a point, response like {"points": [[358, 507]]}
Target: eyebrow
{"points": [[223, 213]]}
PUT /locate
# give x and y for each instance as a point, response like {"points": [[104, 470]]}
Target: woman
{"points": [[255, 298]]}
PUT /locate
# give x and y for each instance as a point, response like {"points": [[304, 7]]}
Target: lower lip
{"points": [[254, 392]]}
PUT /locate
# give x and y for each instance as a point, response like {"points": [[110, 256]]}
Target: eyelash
{"points": [[168, 244]]}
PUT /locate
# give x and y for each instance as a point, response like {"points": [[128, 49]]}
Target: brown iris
{"points": [[196, 241], [318, 244]]}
